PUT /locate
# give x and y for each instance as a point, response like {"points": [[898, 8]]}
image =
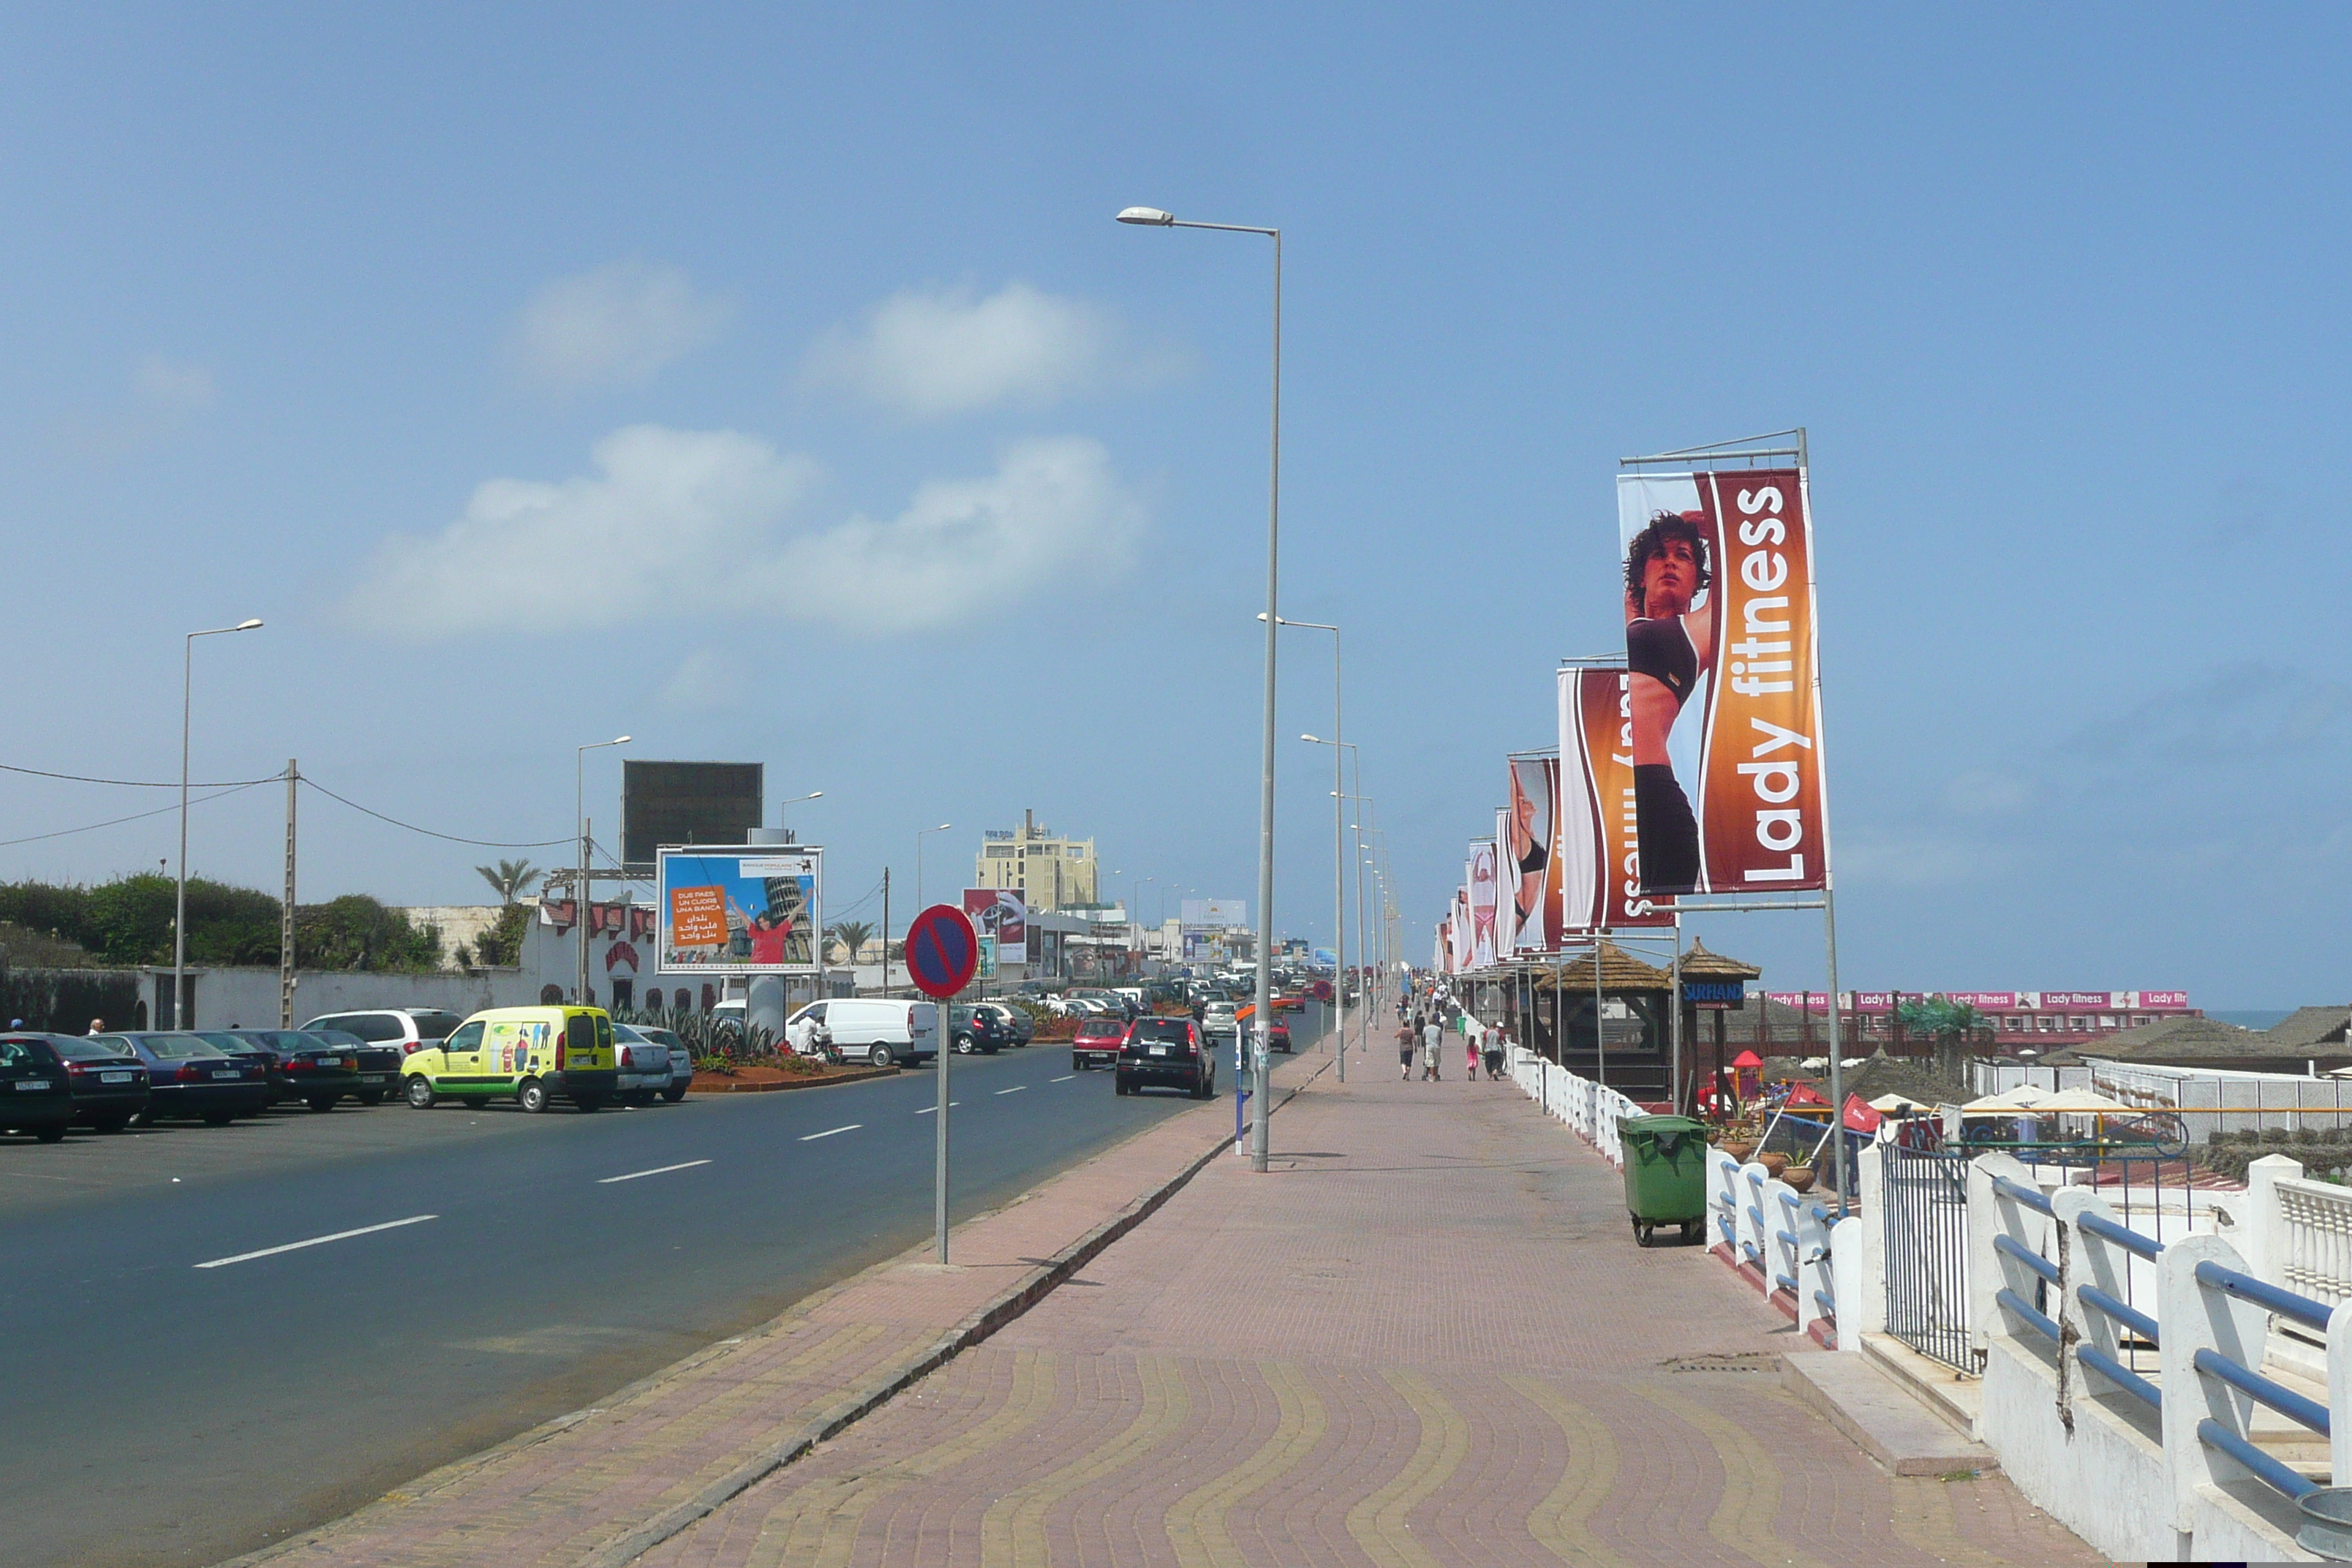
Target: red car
{"points": [[1097, 1042]]}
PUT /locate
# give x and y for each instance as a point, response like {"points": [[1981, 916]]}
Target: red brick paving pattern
{"points": [[1427, 1338]]}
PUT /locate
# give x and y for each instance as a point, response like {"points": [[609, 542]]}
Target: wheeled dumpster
{"points": [[1665, 1174]]}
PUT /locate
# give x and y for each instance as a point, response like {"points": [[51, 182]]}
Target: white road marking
{"points": [[1016, 1088], [318, 1241], [1064, 1079], [656, 1171], [830, 1131], [933, 1110]]}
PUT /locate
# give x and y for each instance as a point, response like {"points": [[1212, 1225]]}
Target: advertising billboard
{"points": [[742, 909], [1724, 694], [1601, 855], [1212, 912], [687, 802], [1482, 903], [1001, 913], [1531, 869]]}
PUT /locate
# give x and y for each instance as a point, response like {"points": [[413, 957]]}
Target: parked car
{"points": [[36, 1091], [1019, 1027], [109, 1084], [1217, 1019], [641, 1066], [378, 1064], [1278, 1037], [1172, 1053], [970, 1030], [681, 1060], [411, 1028], [190, 1076], [305, 1067], [1123, 1005], [538, 1054], [880, 1031], [1097, 1043]]}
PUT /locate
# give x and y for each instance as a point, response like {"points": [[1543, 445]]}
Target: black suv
{"points": [[1171, 1053]]}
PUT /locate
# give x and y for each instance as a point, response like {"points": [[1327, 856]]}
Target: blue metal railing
{"points": [[2009, 1247], [2124, 1236], [1827, 1305], [2030, 1196], [2255, 1386], [2130, 1382], [2303, 1310], [2273, 1474], [2130, 1317], [2026, 1311]]}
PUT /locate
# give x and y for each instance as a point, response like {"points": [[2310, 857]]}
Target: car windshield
{"points": [[100, 1050], [179, 1048], [622, 1032], [431, 1024], [27, 1051], [1162, 1029], [663, 1038], [331, 1037], [232, 1044]]}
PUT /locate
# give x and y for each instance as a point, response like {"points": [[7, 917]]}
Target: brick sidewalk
{"points": [[1428, 1338], [579, 1490]]}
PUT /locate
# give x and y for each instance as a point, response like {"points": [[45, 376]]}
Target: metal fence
{"points": [[1924, 1204]]}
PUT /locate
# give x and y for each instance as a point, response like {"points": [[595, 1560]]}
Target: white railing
{"points": [[2313, 1240], [1591, 1111]]}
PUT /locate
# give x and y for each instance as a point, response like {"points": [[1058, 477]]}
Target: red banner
{"points": [[1602, 886]]}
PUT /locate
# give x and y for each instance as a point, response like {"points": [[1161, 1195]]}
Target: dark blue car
{"points": [[187, 1075], [35, 1095]]}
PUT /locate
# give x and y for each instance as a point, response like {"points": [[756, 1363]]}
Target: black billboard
{"points": [[687, 802]]}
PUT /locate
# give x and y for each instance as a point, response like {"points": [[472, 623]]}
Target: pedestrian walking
{"points": [[1470, 1051], [1406, 1035], [1497, 1048], [1432, 1041]]}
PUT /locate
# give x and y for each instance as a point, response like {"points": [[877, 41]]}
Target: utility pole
{"points": [[286, 909], [886, 932]]}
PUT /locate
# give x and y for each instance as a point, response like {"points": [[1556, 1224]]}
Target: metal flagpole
{"points": [[1675, 1083], [1837, 1046]]}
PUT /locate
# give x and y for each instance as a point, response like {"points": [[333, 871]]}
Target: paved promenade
{"points": [[1427, 1338]]}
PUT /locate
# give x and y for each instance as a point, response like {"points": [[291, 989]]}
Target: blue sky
{"points": [[778, 387]]}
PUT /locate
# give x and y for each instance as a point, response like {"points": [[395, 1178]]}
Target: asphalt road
{"points": [[170, 1400]]}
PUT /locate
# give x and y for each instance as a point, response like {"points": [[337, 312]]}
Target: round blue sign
{"points": [[942, 951]]}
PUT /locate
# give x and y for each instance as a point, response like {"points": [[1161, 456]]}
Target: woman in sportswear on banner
{"points": [[1669, 649]]}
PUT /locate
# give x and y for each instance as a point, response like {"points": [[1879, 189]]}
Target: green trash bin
{"points": [[1665, 1174]]}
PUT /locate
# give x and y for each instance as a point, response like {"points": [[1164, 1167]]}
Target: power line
{"points": [[449, 838], [131, 784], [134, 817]]}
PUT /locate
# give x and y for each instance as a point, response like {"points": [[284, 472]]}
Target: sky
{"points": [[773, 385]]}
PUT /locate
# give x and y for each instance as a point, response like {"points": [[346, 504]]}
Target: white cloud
{"points": [[679, 522], [927, 354], [172, 388], [614, 324], [703, 681]]}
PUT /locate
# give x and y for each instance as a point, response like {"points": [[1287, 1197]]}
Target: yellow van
{"points": [[536, 1054]]}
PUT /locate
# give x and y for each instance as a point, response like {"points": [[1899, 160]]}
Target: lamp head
{"points": [[1146, 215], [622, 740], [1310, 740], [247, 625]]}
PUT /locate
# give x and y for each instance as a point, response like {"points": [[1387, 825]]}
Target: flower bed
{"points": [[765, 1077]]}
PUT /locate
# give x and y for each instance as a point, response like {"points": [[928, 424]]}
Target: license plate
{"points": [[114, 1077], [33, 1083], [1160, 1050], [372, 1077], [219, 1075]]}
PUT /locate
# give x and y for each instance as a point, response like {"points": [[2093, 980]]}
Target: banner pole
{"points": [[1600, 1026], [1675, 1034], [1837, 1046]]}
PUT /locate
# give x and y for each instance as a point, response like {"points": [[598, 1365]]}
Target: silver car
{"points": [[643, 1065], [681, 1061]]}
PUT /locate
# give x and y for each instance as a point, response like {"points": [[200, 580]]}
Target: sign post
{"points": [[942, 951]]}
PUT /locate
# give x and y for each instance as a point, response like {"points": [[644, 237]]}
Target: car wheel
{"points": [[219, 1118], [878, 1056], [673, 1093], [321, 1101], [531, 1096], [371, 1096], [963, 1045], [419, 1089], [52, 1134]]}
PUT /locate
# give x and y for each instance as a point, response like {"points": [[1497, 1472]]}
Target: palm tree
{"points": [[852, 935], [512, 879]]}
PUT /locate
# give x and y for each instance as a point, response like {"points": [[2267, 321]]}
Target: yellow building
{"points": [[1050, 872]]}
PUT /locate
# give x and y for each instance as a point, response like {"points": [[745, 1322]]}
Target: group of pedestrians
{"points": [[1425, 1031]]}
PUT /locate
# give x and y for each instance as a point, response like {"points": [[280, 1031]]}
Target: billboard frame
{"points": [[665, 913]]}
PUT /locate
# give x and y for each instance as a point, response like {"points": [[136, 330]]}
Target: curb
{"points": [[1015, 1300], [1008, 1305], [859, 1076]]}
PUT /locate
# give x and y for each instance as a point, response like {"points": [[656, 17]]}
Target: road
{"points": [[173, 1400]]}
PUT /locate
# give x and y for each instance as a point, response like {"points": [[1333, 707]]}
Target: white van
{"points": [[878, 1031]]}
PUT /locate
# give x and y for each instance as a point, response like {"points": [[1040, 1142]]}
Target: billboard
{"points": [[741, 909], [687, 802], [1531, 868], [1725, 694], [1001, 913], [1599, 853], [1212, 912]]}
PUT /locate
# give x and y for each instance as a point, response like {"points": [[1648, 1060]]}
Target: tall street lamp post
{"points": [[919, 905], [1154, 218], [813, 794], [180, 904], [1339, 888], [582, 889]]}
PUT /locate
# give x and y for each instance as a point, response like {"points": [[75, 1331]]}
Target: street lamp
{"points": [[1338, 861], [813, 794], [942, 828], [1154, 218], [582, 891], [179, 907]]}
